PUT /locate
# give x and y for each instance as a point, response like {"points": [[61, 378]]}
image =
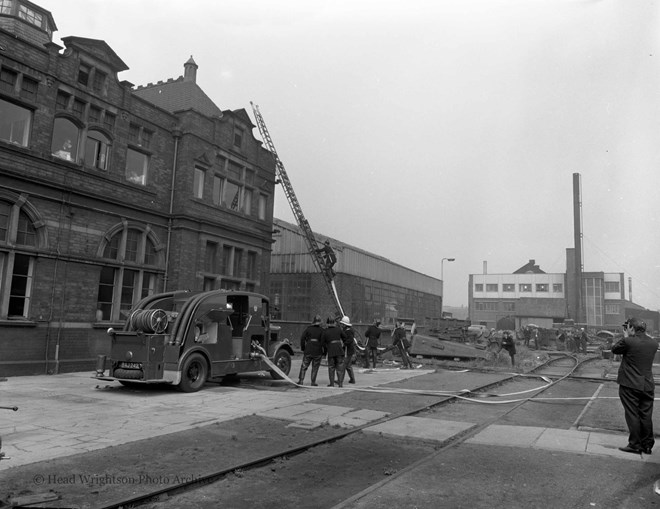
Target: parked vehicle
{"points": [[188, 338]]}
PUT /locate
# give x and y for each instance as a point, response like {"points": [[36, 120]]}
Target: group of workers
{"points": [[336, 340]]}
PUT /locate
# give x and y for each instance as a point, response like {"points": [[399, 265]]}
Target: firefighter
{"points": [[349, 348], [329, 257], [332, 342], [310, 344], [373, 338]]}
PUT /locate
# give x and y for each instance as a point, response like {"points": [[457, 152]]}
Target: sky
{"points": [[428, 129]]}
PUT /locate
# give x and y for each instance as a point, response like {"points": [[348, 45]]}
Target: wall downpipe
{"points": [[177, 135]]}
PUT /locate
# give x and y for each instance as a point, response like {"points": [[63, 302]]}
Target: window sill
{"points": [[17, 323]]}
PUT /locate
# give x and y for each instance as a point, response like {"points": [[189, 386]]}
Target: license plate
{"points": [[130, 365]]}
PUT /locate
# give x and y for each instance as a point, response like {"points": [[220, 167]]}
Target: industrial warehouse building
{"points": [[369, 286], [109, 193], [531, 296]]}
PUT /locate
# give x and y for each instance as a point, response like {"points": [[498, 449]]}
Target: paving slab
{"points": [[420, 427]]}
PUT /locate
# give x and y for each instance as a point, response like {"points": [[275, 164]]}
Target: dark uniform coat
{"points": [[310, 341], [332, 341], [372, 335]]}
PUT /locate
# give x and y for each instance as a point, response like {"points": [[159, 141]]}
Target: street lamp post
{"points": [[442, 278]]}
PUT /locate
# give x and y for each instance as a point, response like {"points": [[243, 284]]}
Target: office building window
{"points": [[198, 183], [508, 287], [492, 287], [130, 277], [17, 230], [252, 272], [612, 287], [263, 202], [97, 147], [211, 257], [612, 309], [29, 88], [232, 195], [541, 287], [99, 81], [524, 287], [136, 167], [217, 190], [557, 287], [8, 79], [508, 306], [15, 123], [478, 287], [30, 15], [247, 201], [65, 139]]}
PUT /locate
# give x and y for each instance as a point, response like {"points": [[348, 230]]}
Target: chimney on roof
{"points": [[190, 70]]}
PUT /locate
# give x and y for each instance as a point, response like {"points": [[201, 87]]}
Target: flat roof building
{"points": [[369, 286], [531, 296]]}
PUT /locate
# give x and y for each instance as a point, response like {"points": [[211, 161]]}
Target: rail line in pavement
{"points": [[443, 399]]}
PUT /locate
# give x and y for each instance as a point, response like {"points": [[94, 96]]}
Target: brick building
{"points": [[530, 295], [110, 192]]}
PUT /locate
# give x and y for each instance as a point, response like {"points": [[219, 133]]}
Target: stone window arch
{"points": [[22, 235], [133, 268]]}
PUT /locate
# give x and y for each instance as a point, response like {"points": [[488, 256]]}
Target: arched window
{"points": [[132, 272], [18, 240], [97, 147], [65, 139]]}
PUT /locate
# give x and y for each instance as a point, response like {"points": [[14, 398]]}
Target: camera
{"points": [[626, 324]]}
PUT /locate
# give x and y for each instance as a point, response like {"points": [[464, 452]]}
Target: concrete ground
{"points": [[514, 466]]}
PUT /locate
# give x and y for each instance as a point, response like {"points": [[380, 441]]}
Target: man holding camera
{"points": [[636, 384]]}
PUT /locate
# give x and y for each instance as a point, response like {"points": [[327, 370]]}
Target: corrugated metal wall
{"points": [[290, 256]]}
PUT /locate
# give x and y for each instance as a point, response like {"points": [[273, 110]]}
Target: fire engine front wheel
{"points": [[194, 373], [282, 360]]}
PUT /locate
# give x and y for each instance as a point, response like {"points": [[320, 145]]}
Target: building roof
{"points": [[99, 49], [180, 94], [530, 268]]}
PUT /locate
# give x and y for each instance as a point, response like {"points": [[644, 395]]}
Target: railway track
{"points": [[556, 369]]}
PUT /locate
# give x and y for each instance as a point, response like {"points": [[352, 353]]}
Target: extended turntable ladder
{"points": [[308, 234]]}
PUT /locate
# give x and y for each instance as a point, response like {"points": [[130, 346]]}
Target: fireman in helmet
{"points": [[349, 347]]}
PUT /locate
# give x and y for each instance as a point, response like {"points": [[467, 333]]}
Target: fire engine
{"points": [[188, 338]]}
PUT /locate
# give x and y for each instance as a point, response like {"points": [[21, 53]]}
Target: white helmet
{"points": [[345, 320]]}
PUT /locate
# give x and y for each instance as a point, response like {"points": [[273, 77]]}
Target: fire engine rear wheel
{"points": [[194, 373], [282, 360]]}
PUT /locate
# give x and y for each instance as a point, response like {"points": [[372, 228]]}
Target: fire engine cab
{"points": [[188, 338]]}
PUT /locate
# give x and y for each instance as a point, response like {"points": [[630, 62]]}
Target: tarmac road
{"points": [[69, 425]]}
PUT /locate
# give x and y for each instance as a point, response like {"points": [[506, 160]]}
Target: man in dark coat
{"points": [[636, 385], [310, 344], [349, 348], [373, 337], [509, 344], [332, 341], [584, 339]]}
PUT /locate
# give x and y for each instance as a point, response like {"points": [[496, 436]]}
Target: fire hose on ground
{"points": [[463, 394]]}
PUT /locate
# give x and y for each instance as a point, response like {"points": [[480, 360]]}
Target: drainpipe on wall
{"points": [[177, 135]]}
